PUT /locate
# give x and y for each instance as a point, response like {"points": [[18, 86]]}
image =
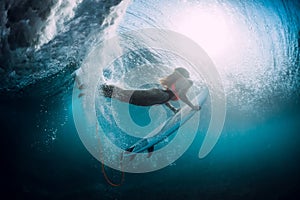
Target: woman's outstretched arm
{"points": [[184, 98], [172, 107]]}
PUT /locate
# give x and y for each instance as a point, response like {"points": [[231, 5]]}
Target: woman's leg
{"points": [[111, 91], [149, 97], [137, 97]]}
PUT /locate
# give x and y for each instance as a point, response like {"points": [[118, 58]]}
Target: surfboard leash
{"points": [[108, 180]]}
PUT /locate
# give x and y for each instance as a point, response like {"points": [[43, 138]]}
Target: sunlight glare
{"points": [[208, 28]]}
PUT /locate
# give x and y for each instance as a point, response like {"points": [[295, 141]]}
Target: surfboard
{"points": [[170, 126]]}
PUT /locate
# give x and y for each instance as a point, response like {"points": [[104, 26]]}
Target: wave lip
{"points": [[34, 49]]}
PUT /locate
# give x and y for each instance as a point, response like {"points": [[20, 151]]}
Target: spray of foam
{"points": [[63, 11], [91, 73]]}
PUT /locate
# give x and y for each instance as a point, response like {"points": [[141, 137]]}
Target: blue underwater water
{"points": [[254, 46]]}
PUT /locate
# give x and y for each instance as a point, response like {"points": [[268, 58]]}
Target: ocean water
{"points": [[253, 45]]}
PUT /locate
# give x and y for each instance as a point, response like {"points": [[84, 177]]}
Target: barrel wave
{"points": [[253, 45]]}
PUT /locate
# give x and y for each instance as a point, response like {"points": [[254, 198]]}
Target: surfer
{"points": [[175, 87]]}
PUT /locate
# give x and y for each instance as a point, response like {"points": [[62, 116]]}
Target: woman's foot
{"points": [[107, 90]]}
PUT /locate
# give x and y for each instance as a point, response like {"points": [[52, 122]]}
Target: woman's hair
{"points": [[172, 78]]}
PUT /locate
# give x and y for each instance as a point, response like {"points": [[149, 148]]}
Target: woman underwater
{"points": [[175, 87]]}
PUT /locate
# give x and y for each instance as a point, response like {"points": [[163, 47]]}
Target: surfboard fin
{"points": [[150, 151], [129, 150]]}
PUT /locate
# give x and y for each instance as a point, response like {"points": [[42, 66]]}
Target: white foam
{"points": [[62, 12]]}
